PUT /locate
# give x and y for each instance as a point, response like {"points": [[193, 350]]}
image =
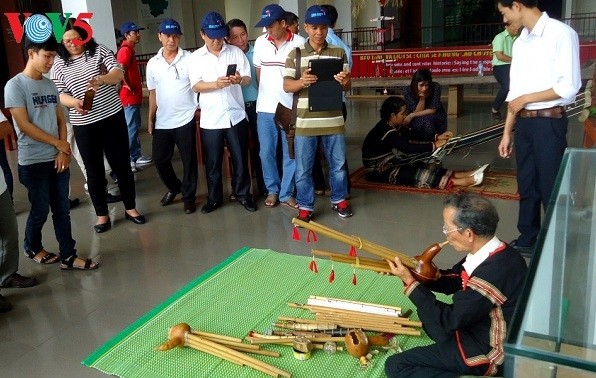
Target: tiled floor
{"points": [[55, 325]]}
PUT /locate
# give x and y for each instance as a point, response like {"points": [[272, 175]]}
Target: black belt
{"points": [[554, 112], [250, 104]]}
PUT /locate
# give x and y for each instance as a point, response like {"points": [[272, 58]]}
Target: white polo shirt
{"points": [[547, 57], [176, 102], [220, 108], [272, 61]]}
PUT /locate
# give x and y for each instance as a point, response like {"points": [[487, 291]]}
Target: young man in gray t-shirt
{"points": [[44, 154]]}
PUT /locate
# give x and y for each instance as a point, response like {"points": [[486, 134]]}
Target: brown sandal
{"points": [[272, 200], [291, 203]]}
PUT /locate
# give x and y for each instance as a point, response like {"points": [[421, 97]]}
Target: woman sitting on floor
{"points": [[382, 164], [427, 116]]}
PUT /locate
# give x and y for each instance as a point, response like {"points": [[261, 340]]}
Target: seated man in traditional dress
{"points": [[486, 284], [382, 164]]}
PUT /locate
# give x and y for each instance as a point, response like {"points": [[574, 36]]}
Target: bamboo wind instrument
{"points": [[421, 266], [379, 266], [181, 335]]}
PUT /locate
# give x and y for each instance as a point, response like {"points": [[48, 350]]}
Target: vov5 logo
{"points": [[39, 27]]}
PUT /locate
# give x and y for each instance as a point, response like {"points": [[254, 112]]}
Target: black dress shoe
{"points": [[168, 198], [103, 227], [249, 204], [139, 219], [523, 250], [72, 203], [16, 280], [190, 207], [209, 207], [110, 198]]}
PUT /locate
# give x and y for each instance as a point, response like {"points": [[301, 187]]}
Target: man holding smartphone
{"points": [[217, 72]]}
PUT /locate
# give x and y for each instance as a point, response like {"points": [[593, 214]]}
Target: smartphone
{"points": [[231, 70], [88, 99]]}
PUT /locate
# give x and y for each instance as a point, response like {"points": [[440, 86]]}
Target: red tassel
{"points": [[296, 235], [313, 266], [314, 236], [354, 280], [353, 251], [332, 275]]}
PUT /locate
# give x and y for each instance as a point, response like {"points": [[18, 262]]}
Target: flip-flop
{"points": [[271, 200], [48, 258], [291, 203]]}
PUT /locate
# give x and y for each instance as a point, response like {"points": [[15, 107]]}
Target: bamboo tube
{"points": [[285, 339], [305, 327], [357, 242], [357, 303], [239, 356], [256, 351], [215, 336], [233, 344], [317, 346], [358, 262]]}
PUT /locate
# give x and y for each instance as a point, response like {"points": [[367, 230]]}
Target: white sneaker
{"points": [[480, 170], [478, 177], [144, 160], [133, 167]]}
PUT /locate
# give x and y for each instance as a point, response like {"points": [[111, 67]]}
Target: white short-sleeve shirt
{"points": [[272, 60], [176, 102], [220, 108]]}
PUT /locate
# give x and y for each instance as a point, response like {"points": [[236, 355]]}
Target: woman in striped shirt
{"points": [[83, 64]]}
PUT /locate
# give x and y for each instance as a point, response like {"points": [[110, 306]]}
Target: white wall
{"points": [[102, 21]]}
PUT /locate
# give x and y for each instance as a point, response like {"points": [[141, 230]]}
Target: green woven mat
{"points": [[248, 292]]}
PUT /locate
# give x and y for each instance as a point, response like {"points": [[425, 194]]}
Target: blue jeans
{"points": [[268, 137], [132, 113], [47, 189], [335, 152]]}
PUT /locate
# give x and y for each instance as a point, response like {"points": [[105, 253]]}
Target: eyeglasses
{"points": [[447, 232], [176, 69]]}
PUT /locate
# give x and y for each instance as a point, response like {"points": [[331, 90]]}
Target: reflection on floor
{"points": [[55, 325]]}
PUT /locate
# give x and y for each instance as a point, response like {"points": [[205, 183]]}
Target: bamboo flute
{"points": [[358, 262], [215, 336], [246, 360], [357, 242]]}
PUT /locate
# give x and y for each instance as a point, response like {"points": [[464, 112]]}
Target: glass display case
{"points": [[553, 331]]}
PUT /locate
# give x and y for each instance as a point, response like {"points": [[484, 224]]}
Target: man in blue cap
{"points": [[131, 91], [223, 117], [171, 121], [269, 59], [326, 124]]}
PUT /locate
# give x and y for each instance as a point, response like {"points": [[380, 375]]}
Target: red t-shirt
{"points": [[126, 57]]}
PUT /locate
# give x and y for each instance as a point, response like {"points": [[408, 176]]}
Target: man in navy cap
{"points": [[171, 121], [131, 91], [326, 124], [223, 117], [269, 58]]}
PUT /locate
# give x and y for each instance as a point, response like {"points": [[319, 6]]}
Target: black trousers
{"points": [[251, 112], [109, 136], [183, 137], [501, 73], [539, 147], [236, 139]]}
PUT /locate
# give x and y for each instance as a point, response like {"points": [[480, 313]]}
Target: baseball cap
{"points": [[316, 15], [214, 26], [129, 26], [170, 26], [270, 14]]}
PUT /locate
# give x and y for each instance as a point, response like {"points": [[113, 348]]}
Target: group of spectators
{"points": [[486, 284]]}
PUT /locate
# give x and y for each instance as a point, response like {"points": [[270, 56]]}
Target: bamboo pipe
{"points": [[215, 336], [358, 262], [285, 339], [180, 335], [421, 266]]}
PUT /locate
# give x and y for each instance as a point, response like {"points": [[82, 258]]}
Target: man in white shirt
{"points": [[223, 117], [544, 77], [172, 106], [269, 58]]}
